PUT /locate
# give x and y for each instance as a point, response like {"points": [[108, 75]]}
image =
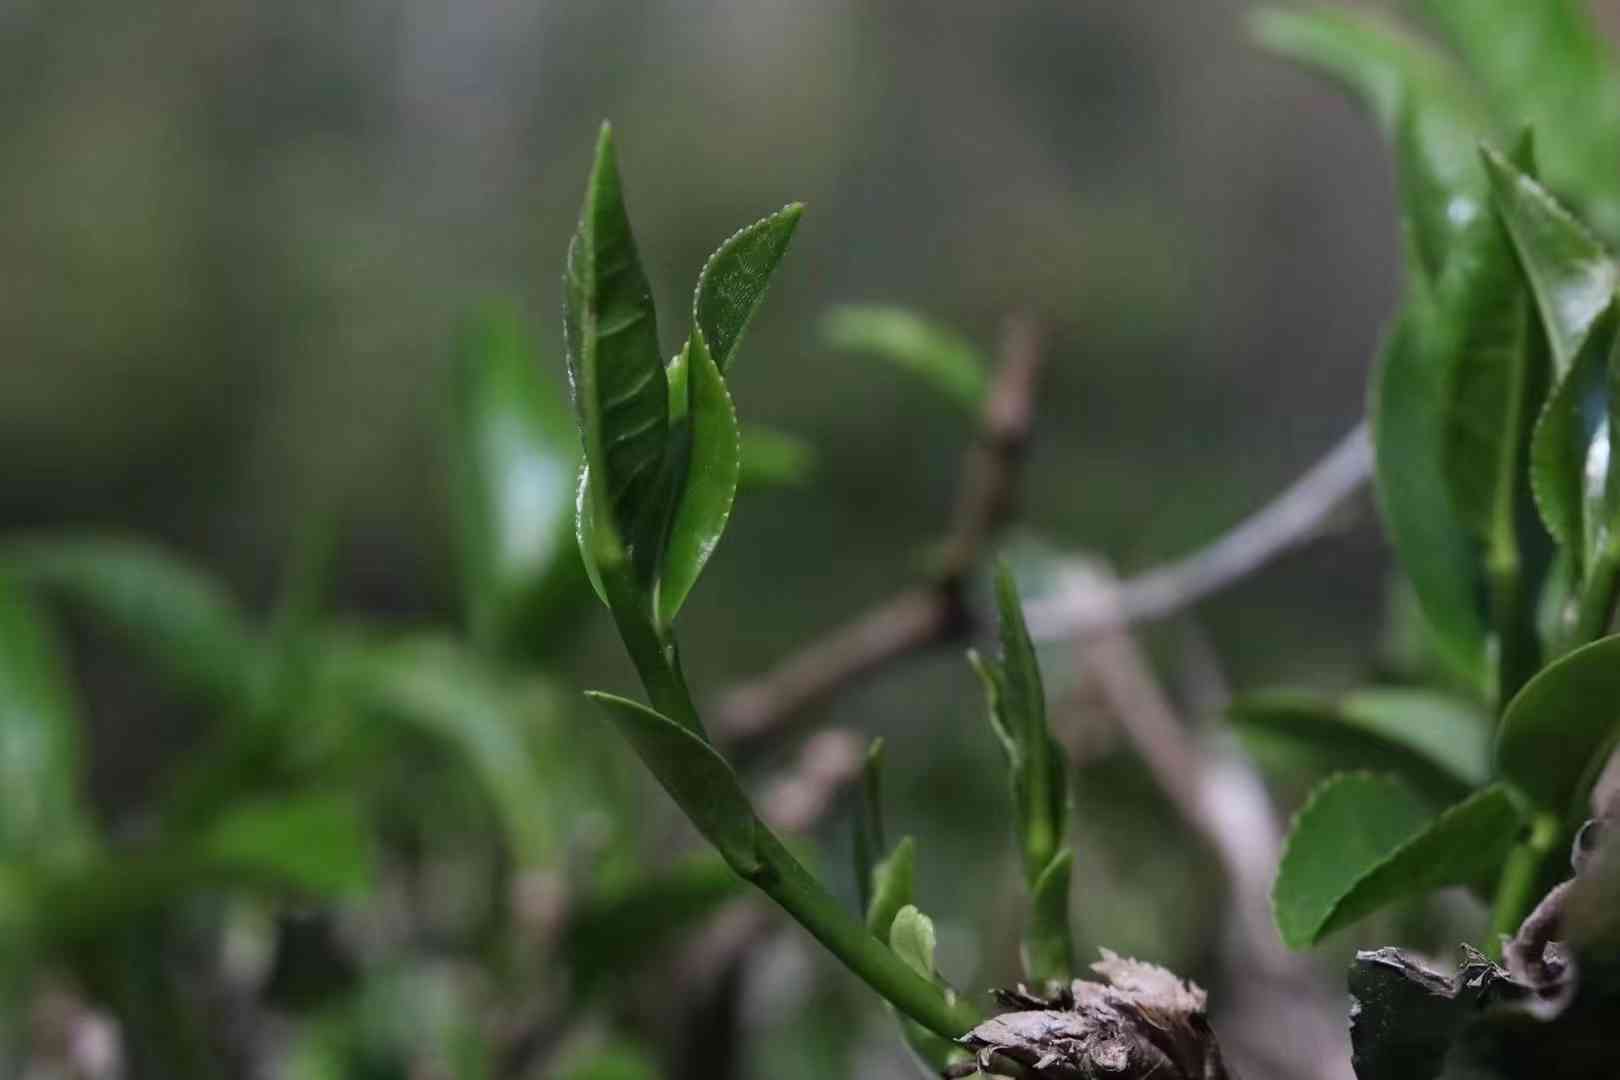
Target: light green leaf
{"points": [[1565, 439], [708, 448], [42, 812], [460, 701], [1017, 708], [1440, 744], [1409, 439], [948, 362], [893, 880], [1364, 841], [774, 459], [1572, 277], [517, 454], [621, 394], [1557, 732], [1048, 943], [733, 282], [696, 777], [1546, 64], [912, 939], [172, 614], [315, 843], [617, 1063]]}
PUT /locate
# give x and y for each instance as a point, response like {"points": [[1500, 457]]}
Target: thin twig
{"points": [[923, 615]]}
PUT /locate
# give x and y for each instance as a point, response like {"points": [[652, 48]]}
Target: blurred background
{"points": [[238, 239]]}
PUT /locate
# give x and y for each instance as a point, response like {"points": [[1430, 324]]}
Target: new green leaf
{"points": [[1558, 731], [1048, 942], [893, 879], [1363, 841], [621, 394], [912, 939], [733, 282]]}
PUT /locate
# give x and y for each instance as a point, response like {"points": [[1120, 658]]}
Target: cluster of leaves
{"points": [[1492, 409]]}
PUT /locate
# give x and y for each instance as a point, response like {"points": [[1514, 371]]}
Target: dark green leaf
{"points": [[315, 843], [869, 841], [458, 700], [941, 357], [1557, 732], [774, 459], [1364, 841], [1048, 943], [1564, 442], [892, 882], [1572, 277], [175, 616], [1445, 197], [733, 282], [707, 431], [1547, 65], [1439, 743], [518, 458], [621, 393], [696, 777], [42, 813]]}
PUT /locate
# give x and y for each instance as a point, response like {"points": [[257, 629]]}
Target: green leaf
{"points": [[1439, 743], [1017, 708], [315, 843], [176, 617], [1572, 277], [621, 393], [460, 701], [893, 880], [1048, 942], [1565, 439], [1364, 841], [696, 777], [774, 459], [733, 282], [617, 1063], [1557, 732], [42, 811], [707, 433], [869, 839], [1409, 439], [518, 457], [912, 939], [1547, 65], [946, 361]]}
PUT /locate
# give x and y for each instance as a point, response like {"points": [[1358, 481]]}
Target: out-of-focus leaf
{"points": [[1409, 438], [696, 777], [1017, 707], [1048, 940], [949, 363], [893, 880], [621, 393], [316, 843], [1572, 277], [733, 282], [1442, 745], [912, 938], [175, 616], [1364, 841], [618, 1063], [518, 457], [1547, 65], [1565, 439], [774, 459], [457, 699], [619, 929], [1557, 732], [706, 432], [42, 813], [1445, 197], [869, 842]]}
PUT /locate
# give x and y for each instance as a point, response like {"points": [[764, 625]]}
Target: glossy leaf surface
{"points": [[708, 446], [696, 777], [518, 460], [620, 391], [733, 282], [1564, 442], [1557, 732], [947, 362], [1363, 841]]}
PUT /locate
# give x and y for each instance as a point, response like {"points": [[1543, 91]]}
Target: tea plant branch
{"points": [[930, 613]]}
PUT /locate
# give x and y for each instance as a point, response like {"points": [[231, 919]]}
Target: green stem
{"points": [[1520, 886], [1515, 657], [1595, 603]]}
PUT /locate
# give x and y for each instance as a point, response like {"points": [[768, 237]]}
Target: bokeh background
{"points": [[237, 237]]}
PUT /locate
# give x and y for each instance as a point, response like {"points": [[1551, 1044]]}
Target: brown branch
{"points": [[926, 614]]}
